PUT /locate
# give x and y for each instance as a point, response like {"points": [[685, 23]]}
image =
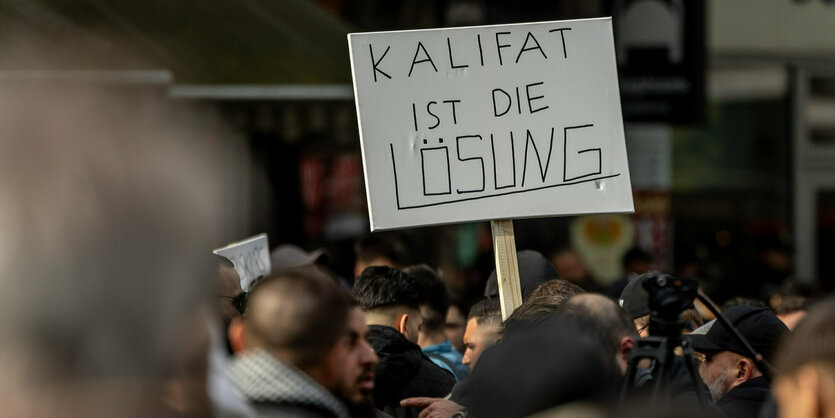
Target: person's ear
{"points": [[744, 370], [235, 333], [625, 347], [402, 325]]}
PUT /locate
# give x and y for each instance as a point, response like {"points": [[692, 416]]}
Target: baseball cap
{"points": [[635, 299], [759, 326], [534, 269]]}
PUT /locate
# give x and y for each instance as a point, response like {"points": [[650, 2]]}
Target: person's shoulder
{"points": [[745, 400], [432, 372]]}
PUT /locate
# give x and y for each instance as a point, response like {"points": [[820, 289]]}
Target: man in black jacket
{"points": [[735, 382], [391, 302]]}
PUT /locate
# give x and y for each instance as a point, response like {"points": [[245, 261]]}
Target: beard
{"points": [[719, 388], [361, 410]]}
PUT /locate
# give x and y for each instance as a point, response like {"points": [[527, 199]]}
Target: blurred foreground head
{"points": [[805, 360], [538, 368], [112, 201]]}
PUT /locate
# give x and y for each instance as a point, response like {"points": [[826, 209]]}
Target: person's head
{"points": [[743, 301], [227, 289], [302, 319], [569, 265], [380, 249], [434, 306], [539, 368], [531, 312], [606, 321], [456, 323], [390, 298], [557, 291], [636, 261], [483, 325], [805, 360], [728, 363], [357, 383], [791, 310], [112, 198], [534, 269]]}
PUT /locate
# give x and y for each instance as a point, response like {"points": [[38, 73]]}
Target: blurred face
{"points": [[454, 328], [358, 378], [478, 338], [808, 392], [570, 267], [719, 372], [642, 325]]}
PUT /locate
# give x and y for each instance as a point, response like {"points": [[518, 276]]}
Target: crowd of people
{"points": [[302, 343], [106, 281]]}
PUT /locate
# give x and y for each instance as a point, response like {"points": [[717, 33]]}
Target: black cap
{"points": [[534, 269], [634, 299], [758, 325]]}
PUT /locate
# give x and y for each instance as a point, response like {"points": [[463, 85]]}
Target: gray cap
{"points": [[289, 256]]}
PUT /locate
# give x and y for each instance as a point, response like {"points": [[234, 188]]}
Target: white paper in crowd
{"points": [[490, 122], [251, 258]]}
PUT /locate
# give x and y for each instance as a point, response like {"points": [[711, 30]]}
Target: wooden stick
{"points": [[507, 269]]}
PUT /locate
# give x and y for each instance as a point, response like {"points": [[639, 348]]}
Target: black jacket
{"points": [[404, 372], [747, 399]]}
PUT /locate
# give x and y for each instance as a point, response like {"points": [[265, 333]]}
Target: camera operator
{"points": [[661, 307], [736, 384]]}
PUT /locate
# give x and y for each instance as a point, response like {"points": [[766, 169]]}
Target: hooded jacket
{"points": [[275, 389], [404, 372]]}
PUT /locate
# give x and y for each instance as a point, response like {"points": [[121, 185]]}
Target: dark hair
{"points": [[435, 296], [486, 311], [309, 316], [741, 301], [601, 318], [789, 304], [557, 291], [381, 286], [532, 312], [692, 319], [387, 245], [811, 341]]}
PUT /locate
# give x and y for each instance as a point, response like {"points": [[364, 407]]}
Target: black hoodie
{"points": [[404, 372]]}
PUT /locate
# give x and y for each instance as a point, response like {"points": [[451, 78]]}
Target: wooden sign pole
{"points": [[507, 269]]}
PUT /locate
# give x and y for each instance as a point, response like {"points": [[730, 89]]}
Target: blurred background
{"points": [[729, 109]]}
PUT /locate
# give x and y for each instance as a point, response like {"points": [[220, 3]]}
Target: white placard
{"points": [[251, 258], [490, 122]]}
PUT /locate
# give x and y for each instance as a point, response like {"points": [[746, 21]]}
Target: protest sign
{"points": [[251, 258], [490, 122]]}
